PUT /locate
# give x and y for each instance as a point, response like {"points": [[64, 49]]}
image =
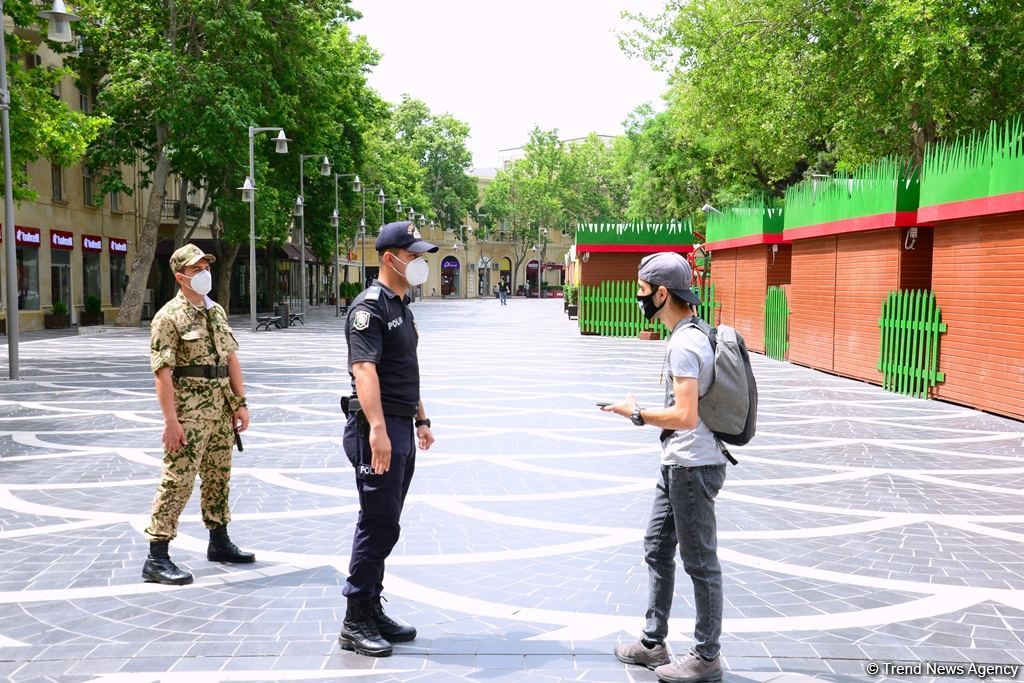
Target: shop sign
{"points": [[26, 237], [92, 243], [118, 246], [61, 239]]}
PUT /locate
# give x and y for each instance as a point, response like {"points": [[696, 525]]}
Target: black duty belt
{"points": [[350, 406], [202, 371]]}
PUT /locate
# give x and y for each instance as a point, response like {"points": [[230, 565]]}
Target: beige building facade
{"points": [[72, 242], [467, 267]]}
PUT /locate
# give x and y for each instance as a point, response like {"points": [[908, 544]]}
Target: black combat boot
{"points": [[221, 549], [359, 632], [160, 569], [388, 627]]}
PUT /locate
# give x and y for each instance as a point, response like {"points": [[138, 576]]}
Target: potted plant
{"points": [[92, 311], [58, 319], [572, 307]]}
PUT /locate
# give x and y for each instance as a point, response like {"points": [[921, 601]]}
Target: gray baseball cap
{"points": [[671, 271]]}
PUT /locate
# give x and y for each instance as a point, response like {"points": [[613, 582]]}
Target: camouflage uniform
{"points": [[185, 335]]}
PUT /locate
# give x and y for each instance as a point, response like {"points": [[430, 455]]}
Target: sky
{"points": [[504, 66]]}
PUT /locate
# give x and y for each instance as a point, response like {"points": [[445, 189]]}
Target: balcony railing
{"points": [[172, 209]]}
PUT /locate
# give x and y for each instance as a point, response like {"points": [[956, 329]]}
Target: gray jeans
{"points": [[684, 515]]}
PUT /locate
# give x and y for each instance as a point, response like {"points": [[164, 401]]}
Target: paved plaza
{"points": [[860, 526]]}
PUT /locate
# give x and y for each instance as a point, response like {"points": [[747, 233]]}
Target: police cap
{"points": [[403, 235]]}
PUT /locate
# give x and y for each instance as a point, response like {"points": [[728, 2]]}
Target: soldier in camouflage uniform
{"points": [[202, 397]]}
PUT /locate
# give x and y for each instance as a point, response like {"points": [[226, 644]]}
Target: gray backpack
{"points": [[729, 406]]}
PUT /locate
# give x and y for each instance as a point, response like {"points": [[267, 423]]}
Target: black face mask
{"points": [[647, 306]]}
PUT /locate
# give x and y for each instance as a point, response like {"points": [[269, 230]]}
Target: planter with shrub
{"points": [[58, 319], [92, 313]]}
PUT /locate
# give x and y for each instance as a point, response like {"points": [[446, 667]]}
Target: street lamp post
{"points": [[59, 32], [463, 229], [357, 186], [248, 189], [300, 203], [382, 198]]}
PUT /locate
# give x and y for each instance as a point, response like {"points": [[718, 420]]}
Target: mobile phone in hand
{"points": [[602, 404]]}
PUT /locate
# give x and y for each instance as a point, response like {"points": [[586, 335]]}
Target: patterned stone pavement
{"points": [[859, 527]]}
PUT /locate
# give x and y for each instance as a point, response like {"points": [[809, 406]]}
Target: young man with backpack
{"points": [[692, 472]]}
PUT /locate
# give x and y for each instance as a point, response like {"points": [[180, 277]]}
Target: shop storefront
{"points": [[92, 250], [450, 276], [27, 241], [118, 254], [62, 243]]}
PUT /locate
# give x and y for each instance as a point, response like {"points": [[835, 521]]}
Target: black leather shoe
{"points": [[160, 569], [359, 632], [388, 627], [221, 549]]}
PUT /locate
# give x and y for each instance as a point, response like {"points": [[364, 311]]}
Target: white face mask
{"points": [[201, 282], [416, 271]]}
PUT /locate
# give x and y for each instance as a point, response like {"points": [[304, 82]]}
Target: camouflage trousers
{"points": [[208, 454]]}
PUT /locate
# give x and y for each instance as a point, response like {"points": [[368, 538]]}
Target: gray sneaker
{"points": [[690, 669], [638, 653]]}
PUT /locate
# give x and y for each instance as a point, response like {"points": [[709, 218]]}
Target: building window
{"points": [[91, 274], [118, 278], [85, 101], [57, 182], [87, 187], [56, 90], [28, 278], [115, 201]]}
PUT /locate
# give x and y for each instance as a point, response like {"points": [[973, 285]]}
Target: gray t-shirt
{"points": [[690, 355]]}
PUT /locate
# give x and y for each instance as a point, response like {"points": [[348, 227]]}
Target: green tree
{"points": [[438, 143], [551, 188], [183, 80], [775, 90]]}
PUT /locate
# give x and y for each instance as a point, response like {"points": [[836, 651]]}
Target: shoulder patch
{"points": [[361, 320], [372, 293]]}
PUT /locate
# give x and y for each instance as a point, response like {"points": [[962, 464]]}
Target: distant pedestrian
{"points": [[202, 397], [503, 292], [692, 473]]}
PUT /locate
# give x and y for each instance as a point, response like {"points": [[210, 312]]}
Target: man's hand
{"points": [[625, 409], [240, 420], [380, 448], [174, 436], [426, 437]]}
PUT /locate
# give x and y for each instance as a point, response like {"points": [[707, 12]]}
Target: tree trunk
{"points": [[226, 261], [131, 306], [182, 227]]}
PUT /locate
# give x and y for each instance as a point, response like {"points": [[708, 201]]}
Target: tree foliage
{"points": [[184, 79], [42, 126], [773, 89]]}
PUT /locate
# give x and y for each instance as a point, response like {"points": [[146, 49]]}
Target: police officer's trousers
{"points": [[381, 498]]}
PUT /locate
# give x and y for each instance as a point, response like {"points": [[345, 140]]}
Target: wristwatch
{"points": [[636, 418], [425, 422]]}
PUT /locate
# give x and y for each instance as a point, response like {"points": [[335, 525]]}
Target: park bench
{"points": [[296, 318], [263, 322]]}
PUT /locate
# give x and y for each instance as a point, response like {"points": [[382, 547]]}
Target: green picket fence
{"points": [[610, 309], [910, 324], [708, 303], [776, 324]]}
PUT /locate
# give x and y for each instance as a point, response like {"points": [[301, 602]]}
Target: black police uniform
{"points": [[380, 330]]}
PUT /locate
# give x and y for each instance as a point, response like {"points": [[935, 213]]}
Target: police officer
{"points": [[385, 421], [202, 397]]}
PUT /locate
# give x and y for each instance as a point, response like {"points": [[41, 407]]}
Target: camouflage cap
{"points": [[189, 255]]}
